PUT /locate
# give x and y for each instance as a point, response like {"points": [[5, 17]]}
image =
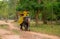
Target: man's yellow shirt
{"points": [[20, 20]]}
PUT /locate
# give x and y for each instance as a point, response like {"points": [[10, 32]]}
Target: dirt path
{"points": [[33, 35], [8, 34]]}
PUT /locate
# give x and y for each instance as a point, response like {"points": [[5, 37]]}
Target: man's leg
{"points": [[21, 26]]}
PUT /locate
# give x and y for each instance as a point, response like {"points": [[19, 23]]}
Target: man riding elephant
{"points": [[24, 20]]}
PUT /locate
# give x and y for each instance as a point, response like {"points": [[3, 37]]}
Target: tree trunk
{"points": [[37, 13], [44, 17], [36, 17], [16, 16]]}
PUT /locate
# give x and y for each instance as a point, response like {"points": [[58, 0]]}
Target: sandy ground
{"points": [[8, 34]]}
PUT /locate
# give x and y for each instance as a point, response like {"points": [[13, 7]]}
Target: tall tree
{"points": [[12, 7]]}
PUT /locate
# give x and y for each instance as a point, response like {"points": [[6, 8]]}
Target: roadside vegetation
{"points": [[4, 26], [47, 29], [16, 31]]}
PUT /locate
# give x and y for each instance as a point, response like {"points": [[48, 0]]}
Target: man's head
{"points": [[21, 14]]}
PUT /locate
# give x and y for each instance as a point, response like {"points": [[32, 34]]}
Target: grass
{"points": [[15, 31], [47, 29], [4, 26]]}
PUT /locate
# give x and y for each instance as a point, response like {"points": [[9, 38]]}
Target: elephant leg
{"points": [[26, 26]]}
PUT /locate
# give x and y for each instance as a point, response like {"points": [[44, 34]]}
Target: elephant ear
{"points": [[26, 19]]}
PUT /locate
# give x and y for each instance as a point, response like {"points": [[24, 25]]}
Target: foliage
{"points": [[3, 9], [49, 9]]}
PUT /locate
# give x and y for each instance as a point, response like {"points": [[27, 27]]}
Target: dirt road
{"points": [[9, 34]]}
